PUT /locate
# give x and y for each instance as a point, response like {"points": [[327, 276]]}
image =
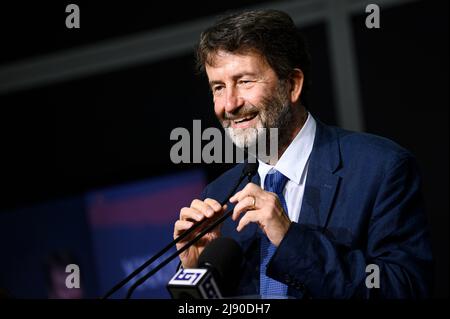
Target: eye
{"points": [[245, 82], [216, 89]]}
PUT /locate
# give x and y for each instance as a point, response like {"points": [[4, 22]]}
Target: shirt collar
{"points": [[293, 161]]}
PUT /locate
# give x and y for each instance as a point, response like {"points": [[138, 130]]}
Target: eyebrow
{"points": [[211, 83]]}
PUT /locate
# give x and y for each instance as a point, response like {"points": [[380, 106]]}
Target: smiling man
{"points": [[330, 204], [248, 96]]}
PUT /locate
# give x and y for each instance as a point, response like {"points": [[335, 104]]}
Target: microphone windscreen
{"points": [[224, 256]]}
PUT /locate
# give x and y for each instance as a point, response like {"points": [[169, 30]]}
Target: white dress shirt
{"points": [[294, 165]]}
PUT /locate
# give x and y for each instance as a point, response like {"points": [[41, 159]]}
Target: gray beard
{"points": [[274, 112]]}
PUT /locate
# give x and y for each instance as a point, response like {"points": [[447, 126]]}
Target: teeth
{"points": [[243, 119]]}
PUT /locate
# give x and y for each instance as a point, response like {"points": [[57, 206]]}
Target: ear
{"points": [[296, 85]]}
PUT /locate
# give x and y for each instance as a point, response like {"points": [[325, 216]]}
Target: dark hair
{"points": [[271, 33]]}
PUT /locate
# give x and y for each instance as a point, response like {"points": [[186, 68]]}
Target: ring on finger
{"points": [[254, 201]]}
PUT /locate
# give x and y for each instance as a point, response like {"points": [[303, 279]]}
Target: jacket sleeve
{"points": [[397, 242]]}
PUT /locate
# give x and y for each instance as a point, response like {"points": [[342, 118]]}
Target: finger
{"points": [[235, 197], [224, 209], [180, 227], [188, 213], [249, 189], [214, 204], [244, 205], [202, 207], [250, 216]]}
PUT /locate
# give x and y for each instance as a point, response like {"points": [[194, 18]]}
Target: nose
{"points": [[233, 100]]}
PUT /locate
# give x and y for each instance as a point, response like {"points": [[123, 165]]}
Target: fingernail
{"points": [[209, 212]]}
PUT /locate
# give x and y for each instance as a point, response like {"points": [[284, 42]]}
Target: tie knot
{"points": [[275, 182]]}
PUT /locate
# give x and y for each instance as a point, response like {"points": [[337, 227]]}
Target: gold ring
{"points": [[254, 201]]}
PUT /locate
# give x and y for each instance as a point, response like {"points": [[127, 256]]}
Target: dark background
{"points": [[66, 138]]}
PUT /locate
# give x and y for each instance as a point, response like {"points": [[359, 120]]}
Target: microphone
{"points": [[217, 274], [248, 171]]}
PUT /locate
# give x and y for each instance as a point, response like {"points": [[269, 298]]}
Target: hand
{"points": [[263, 208], [209, 208]]}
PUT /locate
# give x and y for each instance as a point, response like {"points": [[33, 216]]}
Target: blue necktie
{"points": [[269, 287]]}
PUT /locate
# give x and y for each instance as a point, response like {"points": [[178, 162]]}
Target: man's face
{"points": [[247, 95]]}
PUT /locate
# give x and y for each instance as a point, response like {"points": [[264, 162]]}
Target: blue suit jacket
{"points": [[362, 205]]}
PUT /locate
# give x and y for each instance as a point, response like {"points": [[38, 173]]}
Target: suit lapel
{"points": [[322, 182], [321, 186]]}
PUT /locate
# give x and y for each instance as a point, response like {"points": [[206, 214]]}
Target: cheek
{"points": [[218, 108], [254, 97]]}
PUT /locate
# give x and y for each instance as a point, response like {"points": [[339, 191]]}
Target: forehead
{"points": [[223, 63]]}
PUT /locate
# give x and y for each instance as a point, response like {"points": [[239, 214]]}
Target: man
{"points": [[331, 204]]}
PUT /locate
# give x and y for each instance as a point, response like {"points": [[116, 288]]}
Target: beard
{"points": [[274, 112]]}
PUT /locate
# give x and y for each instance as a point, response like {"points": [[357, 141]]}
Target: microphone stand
{"points": [[177, 253], [248, 171]]}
